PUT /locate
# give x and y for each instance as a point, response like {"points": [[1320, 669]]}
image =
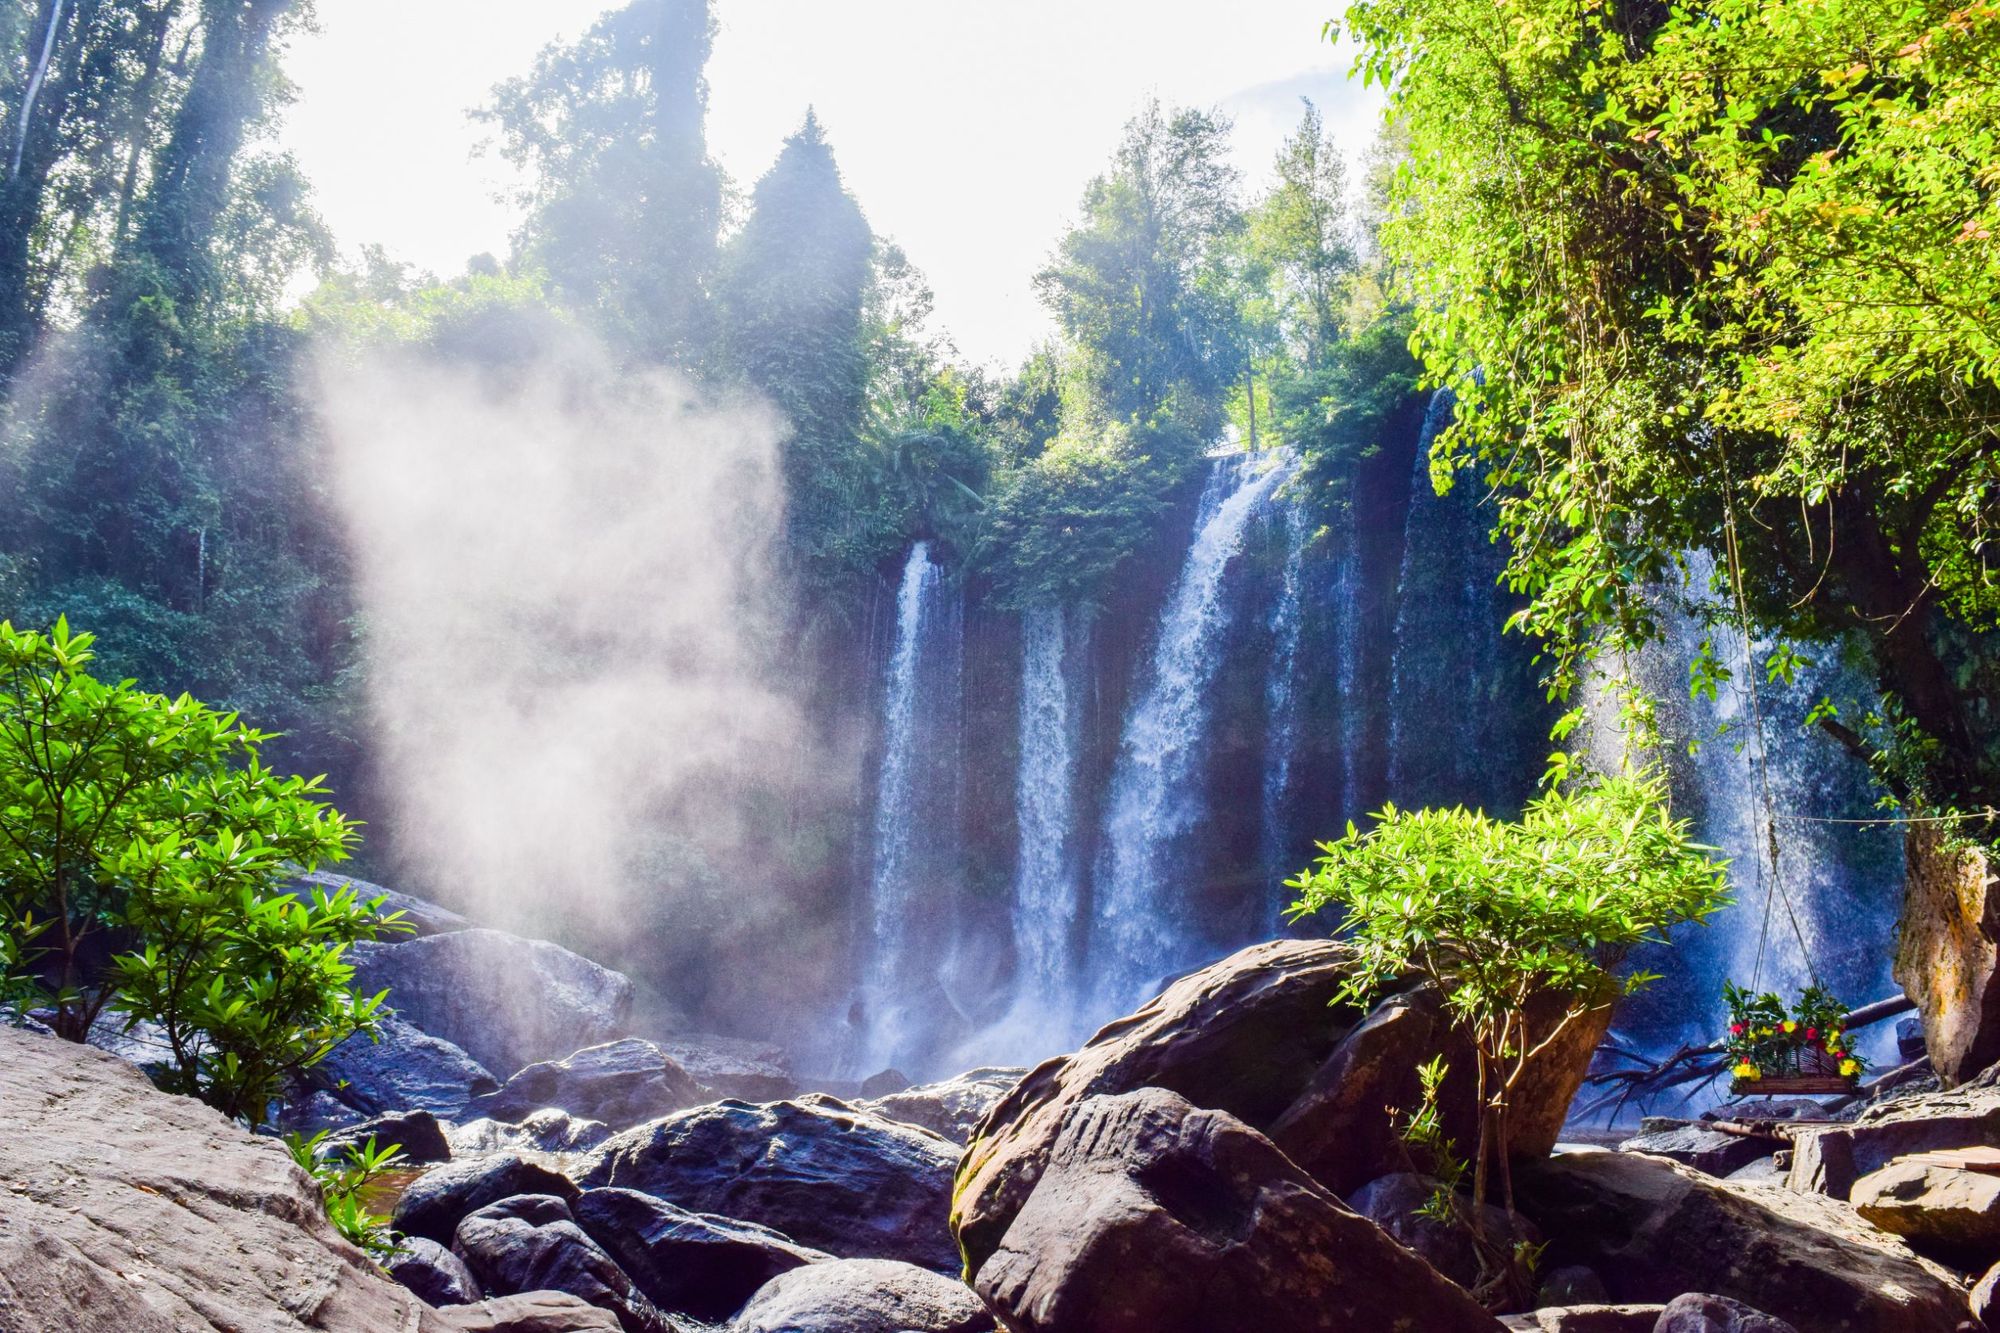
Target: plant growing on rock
{"points": [[1519, 926], [344, 1180], [143, 854]]}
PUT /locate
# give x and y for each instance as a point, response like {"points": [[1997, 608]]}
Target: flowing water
{"points": [[1281, 706]]}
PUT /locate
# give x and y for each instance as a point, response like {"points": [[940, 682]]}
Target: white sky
{"points": [[967, 131]]}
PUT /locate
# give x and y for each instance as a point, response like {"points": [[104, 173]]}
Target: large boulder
{"points": [[507, 1001], [863, 1296], [540, 1131], [751, 1071], [1948, 1214], [407, 1069], [433, 1272], [1655, 1229], [1709, 1151], [417, 1134], [1153, 1216], [952, 1107], [1403, 1205], [1829, 1161], [622, 1083], [124, 1208], [1948, 951], [1264, 1036], [434, 1203], [530, 1312], [531, 1243], [1696, 1312], [1590, 1318], [828, 1176], [688, 1263]]}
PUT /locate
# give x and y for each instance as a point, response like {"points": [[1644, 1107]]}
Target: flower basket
{"points": [[1776, 1052]]}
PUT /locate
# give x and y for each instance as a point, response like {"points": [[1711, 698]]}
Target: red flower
{"points": [[1812, 1034], [1735, 1029]]}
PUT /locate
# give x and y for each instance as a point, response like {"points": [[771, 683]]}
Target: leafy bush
{"points": [[145, 828], [343, 1183], [1518, 925], [1068, 518]]}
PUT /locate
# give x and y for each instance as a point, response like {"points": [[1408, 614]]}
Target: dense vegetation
{"points": [[1722, 277]]}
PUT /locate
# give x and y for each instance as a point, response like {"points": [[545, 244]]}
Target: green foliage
{"points": [[147, 825], [1432, 1151], [1766, 1040], [1066, 520], [1720, 276], [1518, 925], [344, 1182]]}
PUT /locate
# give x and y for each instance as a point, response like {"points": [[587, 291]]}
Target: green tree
{"points": [[1517, 925], [623, 201], [791, 293], [145, 827], [1721, 277]]}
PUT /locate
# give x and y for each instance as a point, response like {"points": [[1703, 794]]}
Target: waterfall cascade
{"points": [[1281, 705], [1141, 931]]}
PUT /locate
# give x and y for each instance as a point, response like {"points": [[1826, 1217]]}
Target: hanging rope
{"points": [[1775, 887]]}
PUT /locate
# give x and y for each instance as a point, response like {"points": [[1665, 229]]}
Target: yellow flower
{"points": [[1790, 1026], [1746, 1070], [1849, 1068], [1763, 1032]]}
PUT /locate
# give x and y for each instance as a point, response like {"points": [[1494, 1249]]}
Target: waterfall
{"points": [[1281, 708], [1348, 645], [1047, 892], [1141, 930], [916, 806], [35, 85]]}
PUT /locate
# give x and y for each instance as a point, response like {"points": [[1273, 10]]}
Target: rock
{"points": [[541, 1131], [433, 1272], [1986, 1299], [407, 1070], [530, 1312], [1152, 1216], [754, 1071], [424, 918], [1698, 1313], [884, 1083], [1948, 950], [863, 1296], [687, 1263], [1706, 1150], [1654, 1229], [1953, 1216], [837, 1180], [1770, 1170], [507, 1001], [124, 1208], [951, 1108], [1910, 1043], [417, 1133], [1587, 1318], [437, 1201], [1260, 1035], [1396, 1204], [622, 1083], [1829, 1161], [531, 1243], [1573, 1284]]}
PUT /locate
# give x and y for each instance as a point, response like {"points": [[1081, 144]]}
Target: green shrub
{"points": [[343, 1182]]}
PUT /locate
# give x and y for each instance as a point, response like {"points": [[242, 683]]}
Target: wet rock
{"points": [[863, 1296], [1829, 1161], [1587, 1318], [1706, 1150], [417, 1133], [952, 1107], [1397, 1203], [884, 1083], [1950, 1215], [1698, 1313], [752, 1071], [530, 1312], [531, 1243], [1261, 1036], [437, 1201], [1770, 1170], [433, 1272], [407, 1070], [541, 1131], [423, 918], [124, 1208], [506, 1001], [1152, 1216], [622, 1083], [1948, 951], [831, 1178], [1572, 1284], [688, 1263], [1654, 1229]]}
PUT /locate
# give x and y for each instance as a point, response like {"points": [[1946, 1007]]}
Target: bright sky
{"points": [[967, 131]]}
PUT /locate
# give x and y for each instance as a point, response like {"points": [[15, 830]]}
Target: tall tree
{"points": [[623, 199], [791, 293], [1301, 231], [1143, 285]]}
